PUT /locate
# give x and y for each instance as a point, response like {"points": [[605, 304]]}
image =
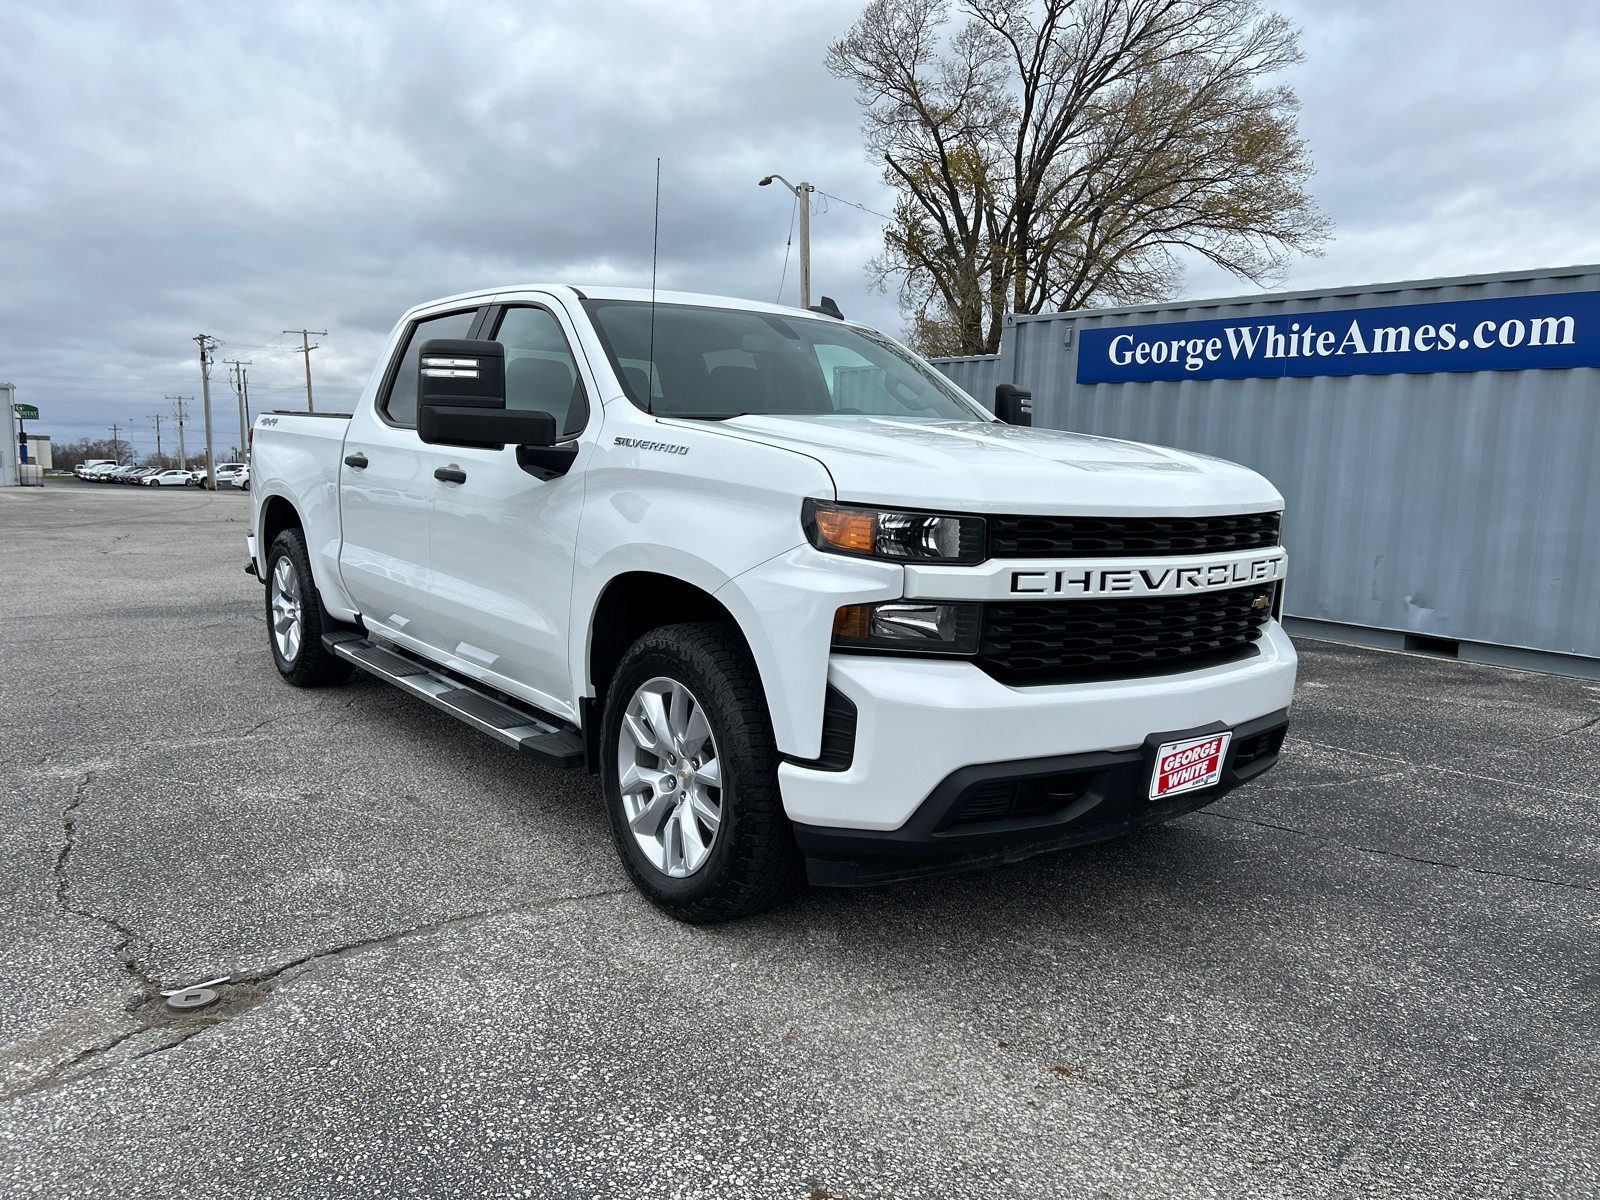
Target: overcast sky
{"points": [[167, 170]]}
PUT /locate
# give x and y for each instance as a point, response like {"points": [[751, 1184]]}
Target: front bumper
{"points": [[921, 722], [1084, 797]]}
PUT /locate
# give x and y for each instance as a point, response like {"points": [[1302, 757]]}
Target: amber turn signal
{"points": [[847, 529], [852, 621]]}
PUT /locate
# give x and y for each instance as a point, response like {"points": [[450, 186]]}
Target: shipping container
{"points": [[1435, 442]]}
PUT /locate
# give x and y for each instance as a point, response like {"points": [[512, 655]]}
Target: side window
{"points": [[400, 406], [541, 375]]}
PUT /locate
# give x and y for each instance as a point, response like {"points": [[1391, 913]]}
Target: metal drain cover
{"points": [[193, 998]]}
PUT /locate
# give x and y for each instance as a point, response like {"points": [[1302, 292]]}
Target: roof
{"points": [[640, 295]]}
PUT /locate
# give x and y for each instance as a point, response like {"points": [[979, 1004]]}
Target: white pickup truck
{"points": [[806, 607]]}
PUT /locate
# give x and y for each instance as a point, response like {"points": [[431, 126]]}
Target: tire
{"points": [[296, 620], [752, 862]]}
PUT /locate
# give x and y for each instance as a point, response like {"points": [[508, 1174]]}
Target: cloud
{"points": [[167, 170], [1450, 138], [172, 171]]}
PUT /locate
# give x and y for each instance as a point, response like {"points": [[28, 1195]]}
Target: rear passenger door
{"points": [[502, 542], [386, 488]]}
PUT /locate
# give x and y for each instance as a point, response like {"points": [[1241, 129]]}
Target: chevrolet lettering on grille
{"points": [[1166, 579]]}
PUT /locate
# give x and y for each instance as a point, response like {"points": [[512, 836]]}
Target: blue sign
{"points": [[1516, 333]]}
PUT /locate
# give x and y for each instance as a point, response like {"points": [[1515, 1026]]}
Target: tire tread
{"points": [[315, 666], [767, 867]]}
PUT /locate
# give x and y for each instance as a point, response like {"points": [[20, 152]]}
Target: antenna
{"points": [[655, 245]]}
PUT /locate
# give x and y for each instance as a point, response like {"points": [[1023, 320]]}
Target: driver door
{"points": [[502, 541], [385, 489]]}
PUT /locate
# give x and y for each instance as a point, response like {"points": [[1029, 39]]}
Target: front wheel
{"points": [[295, 620], [690, 771]]}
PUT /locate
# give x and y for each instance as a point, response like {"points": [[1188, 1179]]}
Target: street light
{"points": [[802, 194]]}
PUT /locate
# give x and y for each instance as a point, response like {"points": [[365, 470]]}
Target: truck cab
{"points": [[809, 610]]}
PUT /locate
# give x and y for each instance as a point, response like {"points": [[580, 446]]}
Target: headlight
{"points": [[887, 533], [909, 625]]}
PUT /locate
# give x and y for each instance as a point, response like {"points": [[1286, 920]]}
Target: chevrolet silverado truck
{"points": [[808, 609]]}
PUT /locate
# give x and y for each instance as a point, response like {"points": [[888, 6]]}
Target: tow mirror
{"points": [[1013, 405], [461, 399]]}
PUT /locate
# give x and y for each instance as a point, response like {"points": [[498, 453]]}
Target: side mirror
{"points": [[461, 399], [1013, 405]]}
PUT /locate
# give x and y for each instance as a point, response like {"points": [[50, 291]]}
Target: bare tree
{"points": [[1052, 154]]}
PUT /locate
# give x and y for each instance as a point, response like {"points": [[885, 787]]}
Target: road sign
{"points": [[26, 411]]}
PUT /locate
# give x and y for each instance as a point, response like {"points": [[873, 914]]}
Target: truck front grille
{"points": [[1125, 537], [1086, 639]]}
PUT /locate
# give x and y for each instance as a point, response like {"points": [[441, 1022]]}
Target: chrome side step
{"points": [[540, 736]]}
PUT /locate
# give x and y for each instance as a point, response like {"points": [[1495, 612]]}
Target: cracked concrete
{"points": [[123, 950], [1431, 862], [1373, 973]]}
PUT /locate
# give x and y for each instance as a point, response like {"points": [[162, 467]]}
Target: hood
{"points": [[972, 466]]}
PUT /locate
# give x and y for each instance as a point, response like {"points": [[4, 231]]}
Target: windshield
{"points": [[718, 362]]}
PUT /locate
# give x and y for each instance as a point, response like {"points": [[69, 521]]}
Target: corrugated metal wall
{"points": [[1452, 505], [976, 376]]}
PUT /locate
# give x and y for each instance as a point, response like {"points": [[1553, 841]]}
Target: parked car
{"points": [[140, 475], [84, 469], [171, 478], [806, 607], [242, 479], [119, 474], [225, 474]]}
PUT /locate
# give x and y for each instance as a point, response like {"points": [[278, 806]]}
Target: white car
{"points": [[807, 608], [241, 480], [173, 478], [225, 474]]}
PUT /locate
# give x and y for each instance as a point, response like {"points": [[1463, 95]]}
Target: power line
{"points": [[853, 204], [782, 279]]}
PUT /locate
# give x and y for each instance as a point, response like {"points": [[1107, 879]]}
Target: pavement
{"points": [[1375, 972]]}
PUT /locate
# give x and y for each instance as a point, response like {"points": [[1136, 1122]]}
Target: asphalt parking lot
{"points": [[1374, 973]]}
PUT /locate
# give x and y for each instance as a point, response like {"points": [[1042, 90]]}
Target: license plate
{"points": [[1189, 765]]}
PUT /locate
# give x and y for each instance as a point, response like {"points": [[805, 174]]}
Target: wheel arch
{"points": [[630, 606], [277, 514]]}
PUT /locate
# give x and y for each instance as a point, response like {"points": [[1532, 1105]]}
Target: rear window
{"points": [[400, 406]]}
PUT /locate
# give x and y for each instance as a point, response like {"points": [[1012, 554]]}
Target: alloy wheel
{"points": [[287, 624], [670, 776]]}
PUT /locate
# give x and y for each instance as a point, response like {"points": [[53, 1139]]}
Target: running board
{"points": [[538, 735]]}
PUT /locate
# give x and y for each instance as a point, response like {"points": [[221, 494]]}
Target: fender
{"points": [[322, 546], [785, 606]]}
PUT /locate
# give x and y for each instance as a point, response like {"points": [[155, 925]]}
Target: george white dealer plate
{"points": [[1188, 765]]}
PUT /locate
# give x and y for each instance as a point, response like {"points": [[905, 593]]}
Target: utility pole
{"points": [[116, 448], [183, 459], [802, 194], [238, 391], [13, 437], [207, 344], [306, 348], [159, 460]]}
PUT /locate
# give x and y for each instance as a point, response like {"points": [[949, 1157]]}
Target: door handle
{"points": [[358, 461], [450, 475]]}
